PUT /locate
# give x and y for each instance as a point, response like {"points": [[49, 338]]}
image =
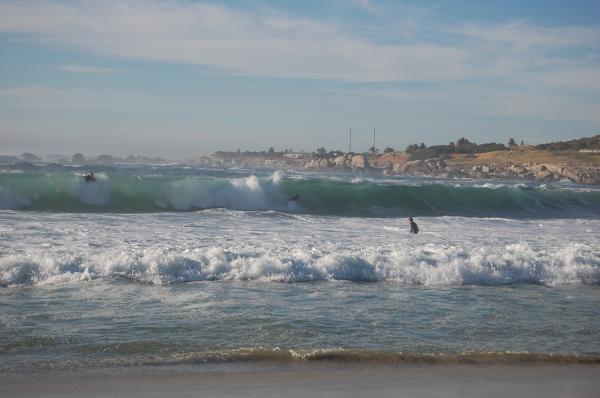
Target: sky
{"points": [[183, 78]]}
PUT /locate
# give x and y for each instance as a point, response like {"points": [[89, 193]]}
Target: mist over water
{"points": [[177, 265]]}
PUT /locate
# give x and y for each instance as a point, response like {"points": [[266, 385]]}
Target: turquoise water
{"points": [[185, 189], [95, 282]]}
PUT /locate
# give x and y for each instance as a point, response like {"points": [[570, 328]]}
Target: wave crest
{"points": [[425, 265], [321, 196]]}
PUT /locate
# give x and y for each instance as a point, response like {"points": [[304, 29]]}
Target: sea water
{"points": [[159, 265]]}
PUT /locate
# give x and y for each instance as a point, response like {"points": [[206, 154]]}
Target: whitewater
{"points": [[171, 264], [213, 245]]}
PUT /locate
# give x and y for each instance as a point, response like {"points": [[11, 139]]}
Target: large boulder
{"points": [[358, 161], [543, 175], [398, 168], [339, 161], [417, 167], [516, 169], [318, 163]]}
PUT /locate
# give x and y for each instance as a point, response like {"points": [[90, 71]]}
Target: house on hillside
{"points": [[292, 155]]}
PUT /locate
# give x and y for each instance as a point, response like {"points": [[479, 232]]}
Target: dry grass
{"points": [[571, 158], [393, 158]]}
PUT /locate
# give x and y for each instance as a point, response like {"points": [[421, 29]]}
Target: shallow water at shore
{"points": [[118, 323]]}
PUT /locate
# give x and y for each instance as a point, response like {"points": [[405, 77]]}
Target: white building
{"points": [[589, 150], [293, 155]]}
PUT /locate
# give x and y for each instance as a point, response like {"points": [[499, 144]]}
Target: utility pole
{"points": [[373, 146], [350, 143], [373, 139]]}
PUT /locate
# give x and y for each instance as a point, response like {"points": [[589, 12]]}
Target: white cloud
{"points": [[367, 5], [272, 44], [522, 36], [512, 69], [261, 44]]}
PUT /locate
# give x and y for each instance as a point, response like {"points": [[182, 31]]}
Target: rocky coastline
{"points": [[539, 166], [543, 172]]}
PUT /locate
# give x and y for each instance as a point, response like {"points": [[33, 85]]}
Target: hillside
{"points": [[568, 157]]}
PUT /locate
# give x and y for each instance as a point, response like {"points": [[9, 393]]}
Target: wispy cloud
{"points": [[74, 68], [515, 62], [276, 45], [261, 44], [523, 36], [367, 5]]}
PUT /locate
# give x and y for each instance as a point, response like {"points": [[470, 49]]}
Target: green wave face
{"points": [[64, 192], [443, 199]]}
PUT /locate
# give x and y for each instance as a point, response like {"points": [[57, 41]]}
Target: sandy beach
{"points": [[313, 380]]}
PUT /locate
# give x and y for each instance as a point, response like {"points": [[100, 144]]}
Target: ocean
{"points": [[167, 265]]}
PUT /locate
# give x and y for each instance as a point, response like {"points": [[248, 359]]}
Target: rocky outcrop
{"points": [[341, 161], [347, 161], [358, 161], [275, 163], [583, 175], [400, 164], [390, 161], [543, 172], [424, 167], [321, 163]]}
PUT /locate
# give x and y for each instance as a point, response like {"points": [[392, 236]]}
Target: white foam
{"points": [[427, 265], [47, 248], [490, 185], [276, 177], [248, 193]]}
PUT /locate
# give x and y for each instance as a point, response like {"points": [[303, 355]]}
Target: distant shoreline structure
{"points": [[575, 160]]}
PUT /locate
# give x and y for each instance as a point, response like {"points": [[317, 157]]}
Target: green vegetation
{"points": [[462, 146], [582, 143]]}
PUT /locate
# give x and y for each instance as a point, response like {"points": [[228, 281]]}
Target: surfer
{"points": [[295, 198], [414, 229], [89, 177]]}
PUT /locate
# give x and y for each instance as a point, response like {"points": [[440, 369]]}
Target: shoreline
{"points": [[327, 379], [523, 165]]}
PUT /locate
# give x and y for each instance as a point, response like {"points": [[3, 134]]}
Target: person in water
{"points": [[414, 229], [89, 177], [295, 198]]}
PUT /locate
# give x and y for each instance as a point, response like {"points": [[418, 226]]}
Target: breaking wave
{"points": [[66, 192], [426, 265]]}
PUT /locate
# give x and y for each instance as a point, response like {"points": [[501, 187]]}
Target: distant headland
{"points": [[575, 160], [80, 159]]}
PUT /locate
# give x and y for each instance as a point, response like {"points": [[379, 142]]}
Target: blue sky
{"points": [[181, 78]]}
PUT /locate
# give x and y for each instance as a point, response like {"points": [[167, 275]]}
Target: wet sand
{"points": [[312, 380]]}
